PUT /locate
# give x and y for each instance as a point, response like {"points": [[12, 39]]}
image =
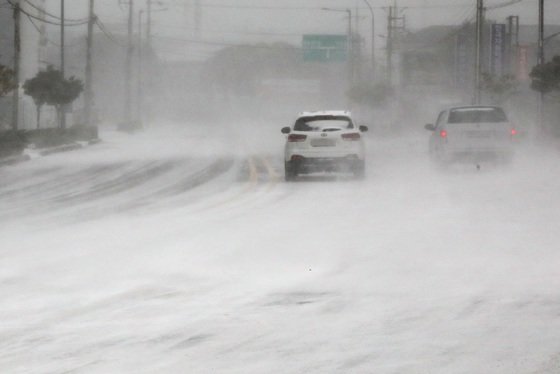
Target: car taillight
{"points": [[352, 136], [513, 132], [297, 137], [443, 134]]}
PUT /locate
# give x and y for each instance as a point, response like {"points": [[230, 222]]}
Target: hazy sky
{"points": [[223, 22]]}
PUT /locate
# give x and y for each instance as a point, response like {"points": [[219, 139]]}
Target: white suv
{"points": [[326, 141]]}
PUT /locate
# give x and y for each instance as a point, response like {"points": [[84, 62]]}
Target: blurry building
{"points": [[444, 55]]}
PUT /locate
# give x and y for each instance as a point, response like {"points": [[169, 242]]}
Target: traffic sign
{"points": [[325, 48]]}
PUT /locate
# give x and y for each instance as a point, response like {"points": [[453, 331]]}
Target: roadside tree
{"points": [[498, 88], [51, 88], [546, 77], [38, 88], [7, 81]]}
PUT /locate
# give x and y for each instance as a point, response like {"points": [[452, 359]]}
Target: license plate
{"points": [[480, 134], [323, 143]]}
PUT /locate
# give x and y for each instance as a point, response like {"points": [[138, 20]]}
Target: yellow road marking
{"points": [[253, 174], [272, 174], [252, 181]]}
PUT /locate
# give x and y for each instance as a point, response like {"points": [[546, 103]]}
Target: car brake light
{"points": [[297, 137], [513, 132], [443, 134], [352, 136]]}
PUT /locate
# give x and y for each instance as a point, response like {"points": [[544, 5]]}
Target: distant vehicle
{"points": [[325, 141], [471, 134]]}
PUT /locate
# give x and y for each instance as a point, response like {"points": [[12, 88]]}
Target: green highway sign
{"points": [[325, 48]]}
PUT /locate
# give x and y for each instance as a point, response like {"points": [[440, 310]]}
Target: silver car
{"points": [[471, 134]]}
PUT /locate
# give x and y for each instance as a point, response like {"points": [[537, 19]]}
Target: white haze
{"points": [[221, 25], [179, 248], [261, 15], [246, 21]]}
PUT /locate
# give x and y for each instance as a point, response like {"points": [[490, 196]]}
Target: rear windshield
{"points": [[323, 123], [476, 115]]}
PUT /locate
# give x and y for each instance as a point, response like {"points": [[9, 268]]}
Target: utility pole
{"points": [[372, 40], [540, 58], [393, 31], [357, 47], [390, 46], [350, 51], [63, 110], [478, 51], [88, 93], [128, 67], [513, 42], [42, 44], [540, 61], [140, 92], [149, 23], [62, 37], [197, 18], [17, 57]]}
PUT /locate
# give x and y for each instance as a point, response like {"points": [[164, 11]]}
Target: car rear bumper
{"points": [[306, 165], [477, 154]]}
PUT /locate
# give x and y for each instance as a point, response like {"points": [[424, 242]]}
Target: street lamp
{"points": [[347, 11], [372, 39], [149, 20]]}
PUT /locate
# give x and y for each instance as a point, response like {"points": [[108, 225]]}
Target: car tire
{"points": [[359, 170], [290, 171]]}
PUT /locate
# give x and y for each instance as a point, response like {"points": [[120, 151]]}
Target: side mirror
{"points": [[430, 127], [286, 130], [364, 128]]}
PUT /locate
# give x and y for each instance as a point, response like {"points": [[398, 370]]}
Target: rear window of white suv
{"points": [[476, 115], [323, 123]]}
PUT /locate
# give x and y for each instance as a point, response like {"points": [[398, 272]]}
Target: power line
{"points": [[38, 18], [299, 8], [269, 33], [38, 29], [225, 44], [503, 5], [98, 22], [52, 15], [107, 33], [468, 18]]}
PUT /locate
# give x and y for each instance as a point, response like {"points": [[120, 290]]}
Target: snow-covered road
{"points": [[159, 253]]}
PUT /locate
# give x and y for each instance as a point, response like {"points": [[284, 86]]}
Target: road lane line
{"points": [[273, 176], [250, 185]]}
